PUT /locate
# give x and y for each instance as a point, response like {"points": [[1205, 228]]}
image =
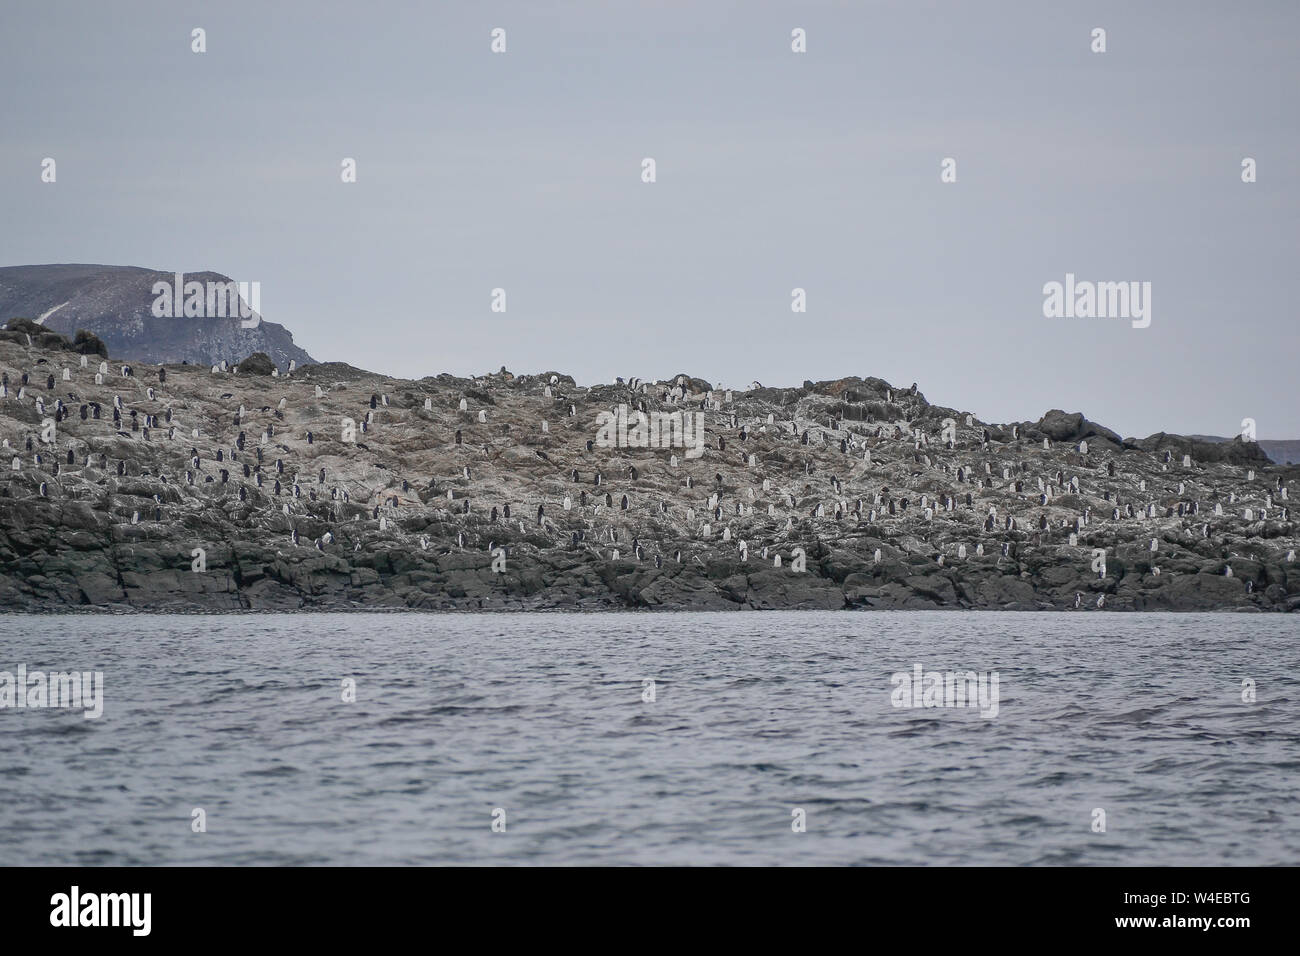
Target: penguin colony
{"points": [[849, 493]]}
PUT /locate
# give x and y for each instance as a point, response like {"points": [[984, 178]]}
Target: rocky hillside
{"points": [[116, 304], [180, 487]]}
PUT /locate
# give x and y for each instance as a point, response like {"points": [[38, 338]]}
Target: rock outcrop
{"points": [[1073, 427], [1281, 452], [259, 363], [178, 487]]}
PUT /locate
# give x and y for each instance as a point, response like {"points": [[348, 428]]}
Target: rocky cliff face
{"points": [[116, 304], [176, 488]]}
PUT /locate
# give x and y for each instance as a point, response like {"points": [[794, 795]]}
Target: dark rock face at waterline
{"points": [[391, 495]]}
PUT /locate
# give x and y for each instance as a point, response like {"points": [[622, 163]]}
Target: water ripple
{"points": [[754, 717]]}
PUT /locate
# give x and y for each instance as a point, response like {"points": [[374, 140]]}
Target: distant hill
{"points": [[1286, 452], [116, 304]]}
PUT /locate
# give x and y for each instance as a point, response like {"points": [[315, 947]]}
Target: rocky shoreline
{"points": [[193, 489]]}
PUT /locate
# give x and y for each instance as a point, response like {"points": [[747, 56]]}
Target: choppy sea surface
{"points": [[545, 718]]}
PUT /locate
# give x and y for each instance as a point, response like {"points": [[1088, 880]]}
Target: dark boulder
{"points": [[259, 363], [1064, 426], [88, 343]]}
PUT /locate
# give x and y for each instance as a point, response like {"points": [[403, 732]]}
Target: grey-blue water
{"points": [[755, 715]]}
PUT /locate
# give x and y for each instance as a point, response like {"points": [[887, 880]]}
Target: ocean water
{"points": [[755, 716]]}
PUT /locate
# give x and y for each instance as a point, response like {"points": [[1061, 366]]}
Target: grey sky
{"points": [[775, 170]]}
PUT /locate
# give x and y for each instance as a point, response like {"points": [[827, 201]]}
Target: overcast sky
{"points": [[775, 170]]}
